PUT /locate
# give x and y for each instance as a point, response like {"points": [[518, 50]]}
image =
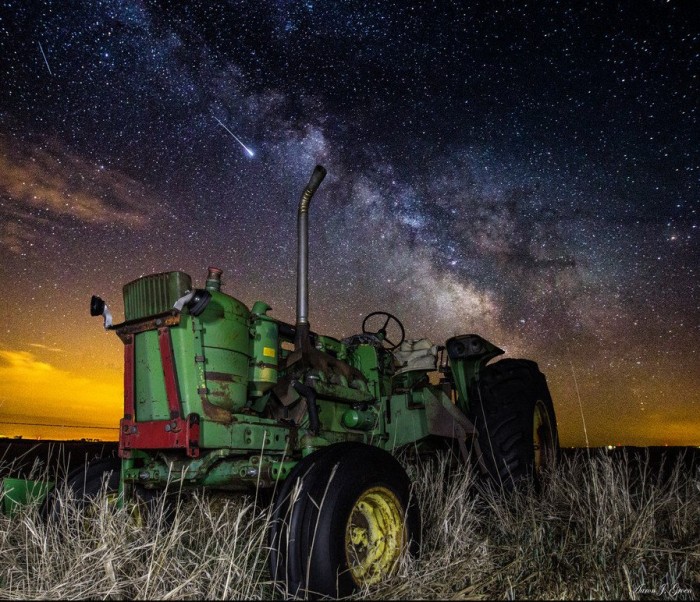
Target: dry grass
{"points": [[604, 529]]}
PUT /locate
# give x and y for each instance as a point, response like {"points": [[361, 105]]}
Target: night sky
{"points": [[525, 171]]}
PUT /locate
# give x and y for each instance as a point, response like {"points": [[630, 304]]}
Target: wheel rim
{"points": [[374, 536], [541, 436], [112, 499], [105, 499]]}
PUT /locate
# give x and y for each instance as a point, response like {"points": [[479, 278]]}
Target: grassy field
{"points": [[606, 527]]}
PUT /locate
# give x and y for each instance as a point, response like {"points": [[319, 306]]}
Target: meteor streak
{"points": [[247, 150], [45, 59]]}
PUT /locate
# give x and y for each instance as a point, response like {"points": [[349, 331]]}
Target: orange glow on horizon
{"points": [[45, 393], [41, 401]]}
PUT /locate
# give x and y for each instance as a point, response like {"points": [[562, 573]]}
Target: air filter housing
{"points": [[154, 294]]}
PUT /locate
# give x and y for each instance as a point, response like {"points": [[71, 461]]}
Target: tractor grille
{"points": [[154, 294]]}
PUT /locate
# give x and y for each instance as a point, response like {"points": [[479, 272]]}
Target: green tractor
{"points": [[220, 396]]}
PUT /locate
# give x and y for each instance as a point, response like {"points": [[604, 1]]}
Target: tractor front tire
{"points": [[514, 417], [347, 518]]}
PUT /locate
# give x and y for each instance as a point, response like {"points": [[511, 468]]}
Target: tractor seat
{"points": [[416, 354]]}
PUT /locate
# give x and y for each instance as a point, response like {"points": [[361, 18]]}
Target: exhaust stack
{"points": [[302, 326]]}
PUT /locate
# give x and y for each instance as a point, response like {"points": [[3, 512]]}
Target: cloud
{"points": [[37, 390], [47, 348], [15, 236], [45, 183]]}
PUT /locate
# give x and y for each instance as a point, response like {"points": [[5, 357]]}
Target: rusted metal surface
{"points": [[226, 377], [130, 327], [301, 360], [342, 393], [214, 412], [265, 365], [313, 358], [446, 420]]}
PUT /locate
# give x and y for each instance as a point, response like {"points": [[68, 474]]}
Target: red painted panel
{"points": [[166, 356], [129, 384], [178, 433]]}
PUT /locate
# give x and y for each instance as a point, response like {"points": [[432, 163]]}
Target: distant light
{"points": [[610, 447]]}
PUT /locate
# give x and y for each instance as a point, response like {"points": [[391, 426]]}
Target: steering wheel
{"points": [[387, 343]]}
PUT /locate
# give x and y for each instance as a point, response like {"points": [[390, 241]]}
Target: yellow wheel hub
{"points": [[135, 509], [374, 536]]}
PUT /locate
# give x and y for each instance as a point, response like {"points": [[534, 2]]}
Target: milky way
{"points": [[528, 172]]}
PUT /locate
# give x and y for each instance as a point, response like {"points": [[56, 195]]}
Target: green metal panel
{"points": [[211, 355], [246, 433], [227, 315], [219, 469], [226, 346], [154, 294], [408, 419], [214, 435], [343, 391], [331, 415], [150, 396], [358, 419], [254, 436], [364, 358], [263, 369], [186, 365], [20, 492], [331, 345], [468, 355], [226, 374]]}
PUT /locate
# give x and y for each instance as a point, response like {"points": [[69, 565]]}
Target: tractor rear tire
{"points": [[514, 416], [85, 483], [352, 518]]}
